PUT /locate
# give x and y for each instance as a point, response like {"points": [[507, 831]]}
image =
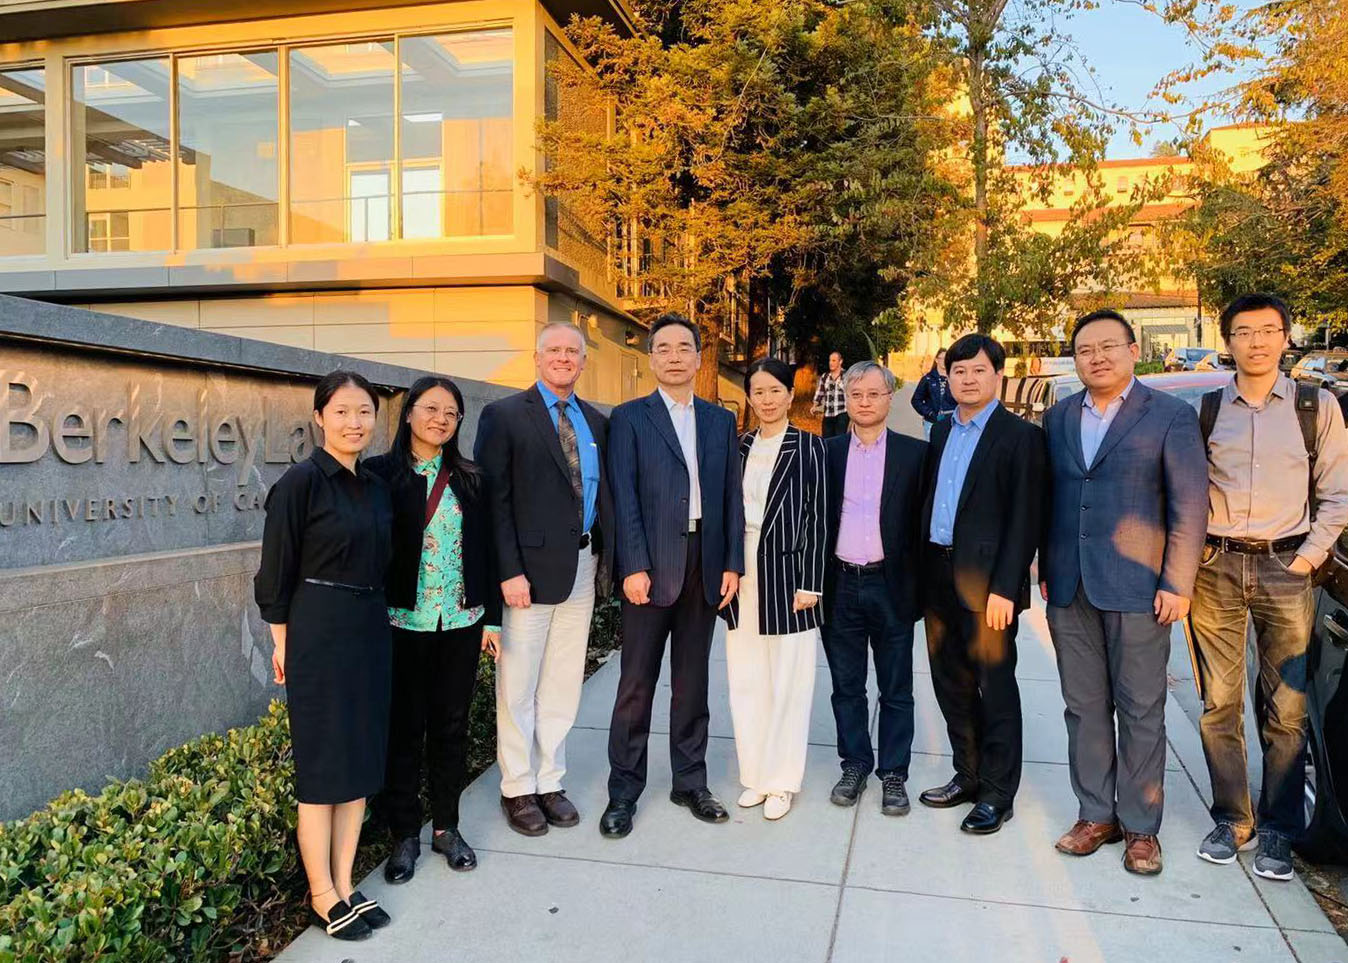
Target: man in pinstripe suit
{"points": [[679, 536]]}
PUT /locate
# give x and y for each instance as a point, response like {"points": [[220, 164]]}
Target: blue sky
{"points": [[1131, 50]]}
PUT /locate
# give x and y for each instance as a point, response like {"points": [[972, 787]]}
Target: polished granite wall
{"points": [[134, 458]]}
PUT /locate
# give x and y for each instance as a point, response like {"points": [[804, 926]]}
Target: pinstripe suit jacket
{"points": [[650, 496], [794, 536]]}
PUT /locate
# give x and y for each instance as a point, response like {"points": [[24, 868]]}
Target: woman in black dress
{"points": [[325, 552], [445, 607]]}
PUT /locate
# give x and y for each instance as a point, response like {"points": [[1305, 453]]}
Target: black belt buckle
{"points": [[858, 569]]}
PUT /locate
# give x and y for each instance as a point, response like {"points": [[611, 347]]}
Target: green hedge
{"points": [[154, 869], [197, 862]]}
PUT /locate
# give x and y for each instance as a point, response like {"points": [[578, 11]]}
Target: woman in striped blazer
{"points": [[771, 648]]}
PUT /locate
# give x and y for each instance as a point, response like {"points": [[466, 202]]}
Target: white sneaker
{"points": [[749, 799], [778, 804]]}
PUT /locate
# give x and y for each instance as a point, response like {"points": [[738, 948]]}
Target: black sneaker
{"points": [[894, 798], [1274, 859], [849, 788]]}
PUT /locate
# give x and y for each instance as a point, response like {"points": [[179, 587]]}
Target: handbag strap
{"points": [[437, 491]]}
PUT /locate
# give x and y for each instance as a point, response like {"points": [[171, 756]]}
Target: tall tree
{"points": [[1284, 226], [791, 154]]}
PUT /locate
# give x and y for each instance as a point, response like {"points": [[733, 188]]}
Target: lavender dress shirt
{"points": [[859, 529]]}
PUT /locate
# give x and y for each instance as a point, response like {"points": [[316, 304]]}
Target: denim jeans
{"points": [[863, 617], [1229, 588]]}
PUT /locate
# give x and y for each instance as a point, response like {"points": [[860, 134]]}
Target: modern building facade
{"points": [[344, 176]]}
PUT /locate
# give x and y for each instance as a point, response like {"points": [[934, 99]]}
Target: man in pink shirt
{"points": [[870, 589]]}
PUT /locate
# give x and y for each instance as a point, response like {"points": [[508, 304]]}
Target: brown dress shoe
{"points": [[1085, 837], [1142, 854], [523, 815], [557, 809]]}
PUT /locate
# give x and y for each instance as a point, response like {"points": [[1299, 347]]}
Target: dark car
{"points": [[1326, 837]]}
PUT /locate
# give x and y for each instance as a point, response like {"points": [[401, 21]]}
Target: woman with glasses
{"points": [[445, 611], [772, 645], [325, 553]]}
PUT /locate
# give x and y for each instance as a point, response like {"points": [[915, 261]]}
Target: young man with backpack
{"points": [[1277, 501]]}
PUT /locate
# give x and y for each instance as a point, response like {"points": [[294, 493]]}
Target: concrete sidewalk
{"points": [[827, 883]]}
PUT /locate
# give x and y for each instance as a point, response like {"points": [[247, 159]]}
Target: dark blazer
{"points": [[900, 505], [794, 535], [650, 496], [410, 491], [999, 515], [1133, 522], [535, 513]]}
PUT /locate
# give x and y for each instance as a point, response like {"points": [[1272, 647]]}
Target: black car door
{"points": [[1327, 708]]}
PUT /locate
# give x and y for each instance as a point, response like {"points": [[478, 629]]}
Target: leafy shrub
{"points": [[182, 864]]}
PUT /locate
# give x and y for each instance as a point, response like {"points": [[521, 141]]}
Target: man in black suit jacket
{"points": [[981, 510], [552, 516], [680, 552], [874, 484]]}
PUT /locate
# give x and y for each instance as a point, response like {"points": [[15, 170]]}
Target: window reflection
{"points": [[457, 130], [227, 174], [23, 162], [341, 143], [123, 190]]}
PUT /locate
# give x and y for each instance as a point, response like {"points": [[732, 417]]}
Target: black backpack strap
{"points": [[1207, 412], [1308, 415]]}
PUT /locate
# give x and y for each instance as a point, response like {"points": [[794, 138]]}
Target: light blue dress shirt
{"points": [[1095, 423], [589, 451], [959, 449]]}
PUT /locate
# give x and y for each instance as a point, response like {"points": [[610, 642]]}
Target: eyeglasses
{"points": [[435, 412], [1088, 351], [871, 396], [668, 350], [1244, 335]]}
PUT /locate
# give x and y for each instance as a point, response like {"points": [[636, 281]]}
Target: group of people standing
{"points": [[385, 579]]}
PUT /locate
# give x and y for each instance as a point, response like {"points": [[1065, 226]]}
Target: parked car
{"points": [[1326, 795], [1031, 397], [1328, 369], [1289, 359], [1189, 359]]}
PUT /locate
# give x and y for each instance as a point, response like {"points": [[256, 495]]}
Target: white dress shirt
{"points": [[685, 426]]}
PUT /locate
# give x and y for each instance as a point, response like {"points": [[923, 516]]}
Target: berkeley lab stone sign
{"points": [[135, 460]]}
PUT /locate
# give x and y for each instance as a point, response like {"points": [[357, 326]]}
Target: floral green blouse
{"points": [[440, 581]]}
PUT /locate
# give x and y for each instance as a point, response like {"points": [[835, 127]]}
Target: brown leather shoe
{"points": [[557, 809], [1142, 854], [1085, 837], [523, 815]]}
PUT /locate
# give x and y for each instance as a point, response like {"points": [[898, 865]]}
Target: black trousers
{"points": [[835, 425], [688, 624], [973, 670], [434, 674]]}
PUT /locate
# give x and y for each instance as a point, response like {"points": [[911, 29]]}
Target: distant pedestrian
{"points": [[1124, 533], [829, 398], [1277, 501], [931, 397]]}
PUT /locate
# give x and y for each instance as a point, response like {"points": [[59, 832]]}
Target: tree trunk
{"points": [[979, 156]]}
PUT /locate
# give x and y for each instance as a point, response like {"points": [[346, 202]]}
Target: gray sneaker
{"points": [[1274, 860], [1220, 846]]}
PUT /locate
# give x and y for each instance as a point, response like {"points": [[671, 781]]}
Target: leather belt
{"points": [[856, 569], [342, 586], [585, 540], [1256, 546], [945, 551]]}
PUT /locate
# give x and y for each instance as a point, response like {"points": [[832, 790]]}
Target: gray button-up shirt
{"points": [[1257, 471]]}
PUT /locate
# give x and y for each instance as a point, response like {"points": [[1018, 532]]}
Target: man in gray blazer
{"points": [[1124, 533]]}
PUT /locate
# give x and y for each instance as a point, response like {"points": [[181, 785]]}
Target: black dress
{"points": [[325, 554]]}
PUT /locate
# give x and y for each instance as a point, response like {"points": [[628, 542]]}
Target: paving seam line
{"points": [[660, 866]]}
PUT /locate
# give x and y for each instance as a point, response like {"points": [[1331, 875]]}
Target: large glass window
{"points": [[227, 130], [123, 190], [457, 133], [23, 162], [341, 143]]}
